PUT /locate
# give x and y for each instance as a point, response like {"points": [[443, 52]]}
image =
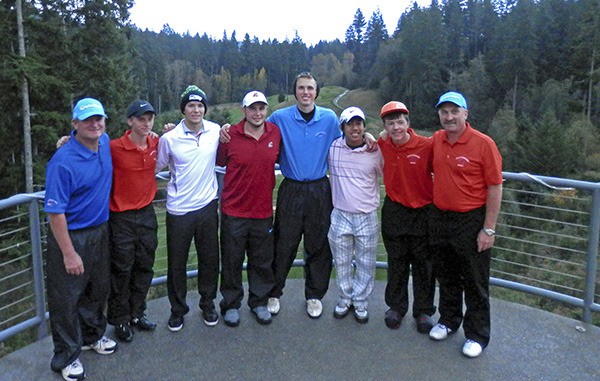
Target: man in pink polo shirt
{"points": [[354, 229]]}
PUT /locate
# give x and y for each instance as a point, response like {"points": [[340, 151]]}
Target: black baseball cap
{"points": [[138, 108]]}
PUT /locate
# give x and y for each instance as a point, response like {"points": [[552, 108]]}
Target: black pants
{"points": [[254, 237], [201, 226], [133, 244], [303, 209], [460, 268], [76, 302], [408, 251]]}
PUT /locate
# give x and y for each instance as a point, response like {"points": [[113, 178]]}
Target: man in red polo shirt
{"points": [[467, 192], [132, 222], [247, 210], [405, 218]]}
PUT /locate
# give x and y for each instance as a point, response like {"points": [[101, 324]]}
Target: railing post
{"points": [[38, 267], [592, 257]]}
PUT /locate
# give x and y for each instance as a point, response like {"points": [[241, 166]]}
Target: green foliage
{"points": [[530, 58], [221, 116], [545, 149]]}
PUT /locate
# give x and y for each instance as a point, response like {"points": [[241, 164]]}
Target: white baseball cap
{"points": [[253, 97], [351, 112]]}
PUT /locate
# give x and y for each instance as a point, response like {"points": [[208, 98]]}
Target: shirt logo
{"points": [[270, 145], [461, 161], [51, 202], [413, 159]]}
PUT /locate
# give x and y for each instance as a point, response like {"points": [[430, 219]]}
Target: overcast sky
{"points": [[313, 19]]}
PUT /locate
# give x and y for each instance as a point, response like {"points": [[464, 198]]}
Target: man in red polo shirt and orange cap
{"points": [[404, 218], [467, 193]]}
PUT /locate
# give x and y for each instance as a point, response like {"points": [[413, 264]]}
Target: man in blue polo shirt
{"points": [[78, 182], [304, 197]]}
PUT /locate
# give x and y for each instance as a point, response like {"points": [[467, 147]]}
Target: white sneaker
{"points": [[472, 348], [273, 306], [314, 308], [341, 310], [361, 315], [439, 332], [104, 346], [74, 371]]}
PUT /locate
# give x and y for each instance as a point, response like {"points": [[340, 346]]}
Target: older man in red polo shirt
{"points": [[467, 192]]}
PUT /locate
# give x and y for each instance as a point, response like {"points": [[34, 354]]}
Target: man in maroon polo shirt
{"points": [[247, 210]]}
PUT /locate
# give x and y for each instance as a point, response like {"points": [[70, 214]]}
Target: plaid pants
{"points": [[354, 236]]}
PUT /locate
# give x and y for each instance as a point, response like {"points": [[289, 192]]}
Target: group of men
{"points": [[102, 234], [442, 202], [443, 226], [443, 197]]}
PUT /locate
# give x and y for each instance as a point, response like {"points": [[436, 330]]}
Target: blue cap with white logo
{"points": [[87, 107], [453, 97]]}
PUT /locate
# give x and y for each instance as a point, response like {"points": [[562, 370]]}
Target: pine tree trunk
{"points": [[514, 97], [26, 111], [591, 86]]}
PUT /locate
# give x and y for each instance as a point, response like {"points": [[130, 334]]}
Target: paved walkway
{"points": [[527, 344]]}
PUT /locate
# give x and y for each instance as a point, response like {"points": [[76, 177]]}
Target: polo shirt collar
{"points": [[128, 144], [315, 117], [409, 144], [464, 137], [239, 128], [187, 131], [80, 149]]}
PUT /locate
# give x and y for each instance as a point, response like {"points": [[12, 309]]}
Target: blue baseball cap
{"points": [[453, 97], [87, 107]]}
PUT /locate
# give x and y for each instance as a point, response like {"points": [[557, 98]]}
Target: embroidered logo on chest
{"points": [[461, 161], [413, 158]]}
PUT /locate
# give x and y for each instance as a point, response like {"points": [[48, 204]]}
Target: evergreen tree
{"points": [[511, 65], [454, 29], [355, 36], [545, 149], [299, 60], [375, 35], [585, 55], [481, 21], [412, 65]]}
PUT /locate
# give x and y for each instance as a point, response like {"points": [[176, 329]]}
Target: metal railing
{"points": [[547, 245]]}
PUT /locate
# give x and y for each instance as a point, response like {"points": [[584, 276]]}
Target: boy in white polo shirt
{"points": [[190, 151]]}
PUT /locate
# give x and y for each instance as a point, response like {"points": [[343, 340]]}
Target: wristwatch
{"points": [[490, 232]]}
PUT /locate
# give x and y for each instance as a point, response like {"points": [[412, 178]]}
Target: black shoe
{"points": [[211, 317], [424, 323], [175, 323], [393, 320], [143, 324], [263, 316], [124, 333]]}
